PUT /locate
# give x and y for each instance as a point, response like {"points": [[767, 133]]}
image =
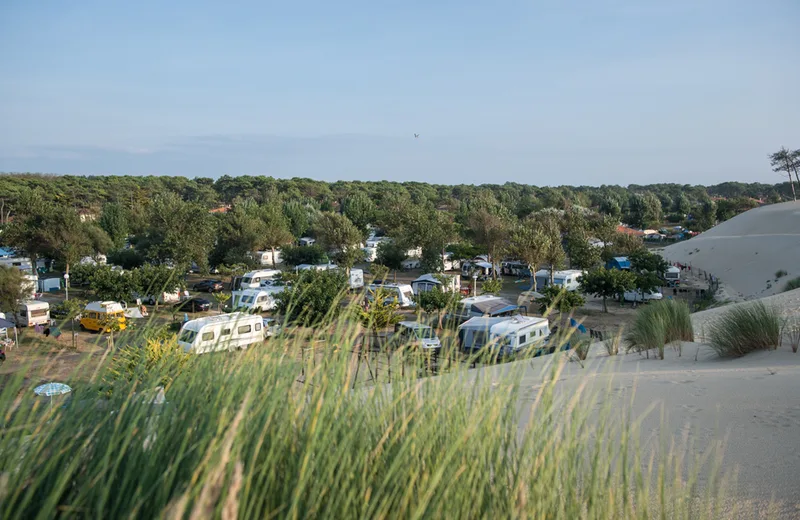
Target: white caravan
{"points": [[569, 279], [32, 313], [255, 300], [316, 267], [673, 276], [400, 292], [356, 279], [507, 335], [253, 279], [428, 282], [266, 258], [486, 305], [165, 298], [639, 296], [224, 332]]}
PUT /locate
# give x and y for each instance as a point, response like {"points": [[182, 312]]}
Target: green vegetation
{"points": [[559, 300], [659, 324], [745, 328], [792, 284], [491, 286], [780, 274], [12, 289], [437, 301], [313, 297], [607, 283]]}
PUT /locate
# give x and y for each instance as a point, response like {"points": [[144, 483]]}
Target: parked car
{"points": [[271, 327], [194, 305], [211, 286]]}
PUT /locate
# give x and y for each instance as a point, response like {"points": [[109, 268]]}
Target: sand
{"points": [[747, 251]]}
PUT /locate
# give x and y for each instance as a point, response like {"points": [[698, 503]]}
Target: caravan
{"points": [[32, 313], [253, 279], [485, 305], [505, 335], [673, 276], [569, 279], [255, 300], [223, 332], [401, 293], [268, 257], [427, 282]]}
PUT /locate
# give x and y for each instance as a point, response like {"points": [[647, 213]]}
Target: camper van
{"points": [[673, 276], [32, 313], [224, 332], [402, 293], [481, 268], [315, 267], [356, 279], [96, 315], [428, 282], [253, 279], [506, 335], [569, 279], [416, 335], [449, 263], [165, 298], [255, 300], [485, 305], [638, 296]]}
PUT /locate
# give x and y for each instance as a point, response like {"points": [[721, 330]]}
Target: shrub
{"points": [[780, 274], [792, 284], [559, 299], [745, 328], [658, 324], [491, 286], [160, 355]]}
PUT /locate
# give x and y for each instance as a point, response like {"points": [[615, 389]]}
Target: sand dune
{"points": [[746, 251]]}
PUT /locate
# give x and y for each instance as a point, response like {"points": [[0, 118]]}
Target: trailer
{"points": [[504, 335], [226, 332]]}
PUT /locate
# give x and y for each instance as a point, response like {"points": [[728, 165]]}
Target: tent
{"points": [[425, 283]]}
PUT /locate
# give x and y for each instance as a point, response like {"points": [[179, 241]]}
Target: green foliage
{"points": [[431, 261], [314, 297], [529, 243], [380, 312], [152, 280], [114, 221], [336, 233], [744, 328], [361, 210], [659, 324], [645, 210], [492, 286], [12, 288], [436, 301], [378, 271], [298, 255], [463, 251], [792, 284], [299, 216], [391, 254], [582, 255], [780, 274], [607, 283], [126, 258], [108, 284], [160, 356], [560, 300], [67, 308]]}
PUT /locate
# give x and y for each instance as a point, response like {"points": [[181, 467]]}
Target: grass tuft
{"points": [[659, 324], [792, 284], [745, 328]]}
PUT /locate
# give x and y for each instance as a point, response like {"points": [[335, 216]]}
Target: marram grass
{"points": [[746, 327], [658, 324], [240, 437]]}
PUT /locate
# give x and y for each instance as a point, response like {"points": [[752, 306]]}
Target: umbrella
{"points": [[51, 389]]}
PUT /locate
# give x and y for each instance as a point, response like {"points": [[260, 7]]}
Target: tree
{"points": [[645, 210], [299, 217], [108, 284], [298, 255], [277, 233], [152, 280], [13, 289], [221, 298], [491, 229], [706, 214], [178, 232], [437, 300], [682, 205], [554, 255], [313, 297], [559, 299], [361, 210], [625, 244], [380, 312], [786, 161], [378, 271], [391, 254], [67, 238], [529, 244], [337, 234], [492, 286], [611, 207], [582, 255], [607, 283], [114, 221], [31, 219]]}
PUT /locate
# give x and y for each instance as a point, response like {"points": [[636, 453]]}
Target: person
{"points": [[47, 332], [143, 310]]}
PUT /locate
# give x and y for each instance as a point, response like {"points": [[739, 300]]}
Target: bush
{"points": [[491, 286], [313, 297], [780, 274], [297, 255], [659, 324], [792, 284], [745, 328], [559, 299], [160, 356]]}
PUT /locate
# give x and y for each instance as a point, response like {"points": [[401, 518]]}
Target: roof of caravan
{"points": [[35, 304], [472, 300], [107, 306], [234, 317], [495, 306], [503, 325], [268, 272]]}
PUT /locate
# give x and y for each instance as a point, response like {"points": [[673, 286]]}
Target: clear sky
{"points": [[571, 92]]}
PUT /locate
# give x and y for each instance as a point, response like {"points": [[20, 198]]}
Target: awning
{"points": [[492, 307]]}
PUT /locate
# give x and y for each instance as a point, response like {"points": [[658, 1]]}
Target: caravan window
{"points": [[187, 336], [262, 299], [225, 332], [38, 313], [523, 339], [207, 336], [244, 329], [258, 326], [479, 338]]}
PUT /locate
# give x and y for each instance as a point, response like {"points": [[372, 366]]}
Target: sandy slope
{"points": [[746, 251]]}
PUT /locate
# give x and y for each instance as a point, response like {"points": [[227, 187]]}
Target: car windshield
{"points": [[425, 333], [187, 336]]}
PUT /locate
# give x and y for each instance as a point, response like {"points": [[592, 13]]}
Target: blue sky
{"points": [[580, 92]]}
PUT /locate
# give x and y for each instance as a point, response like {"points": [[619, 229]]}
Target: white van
{"points": [[253, 279], [255, 300], [401, 292], [32, 313], [224, 332], [638, 296]]}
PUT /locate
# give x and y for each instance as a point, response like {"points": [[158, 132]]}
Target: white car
{"points": [[638, 296]]}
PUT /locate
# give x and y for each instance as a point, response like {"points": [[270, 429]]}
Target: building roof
{"points": [[630, 231]]}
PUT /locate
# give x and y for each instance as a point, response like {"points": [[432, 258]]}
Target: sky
{"points": [[546, 93]]}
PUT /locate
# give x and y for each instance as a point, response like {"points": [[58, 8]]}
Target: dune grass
{"points": [[240, 437], [792, 284], [745, 328], [659, 324]]}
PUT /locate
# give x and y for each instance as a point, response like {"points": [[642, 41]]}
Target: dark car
{"points": [[211, 286], [194, 305]]}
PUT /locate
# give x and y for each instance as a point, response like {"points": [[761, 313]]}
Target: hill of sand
{"points": [[751, 405], [746, 251]]}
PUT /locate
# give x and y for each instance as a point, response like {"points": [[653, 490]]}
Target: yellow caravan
{"points": [[97, 315]]}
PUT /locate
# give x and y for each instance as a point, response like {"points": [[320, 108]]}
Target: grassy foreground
{"points": [[239, 437]]}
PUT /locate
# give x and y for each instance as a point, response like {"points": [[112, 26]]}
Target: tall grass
{"points": [[240, 437], [745, 328], [792, 284], [659, 324]]}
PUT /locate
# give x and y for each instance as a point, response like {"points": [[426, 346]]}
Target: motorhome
{"points": [[673, 276], [568, 279], [402, 293], [255, 300], [411, 263], [484, 305], [253, 279], [416, 335], [428, 282], [98, 316], [165, 298], [639, 296], [356, 279], [32, 313], [505, 335], [224, 332]]}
